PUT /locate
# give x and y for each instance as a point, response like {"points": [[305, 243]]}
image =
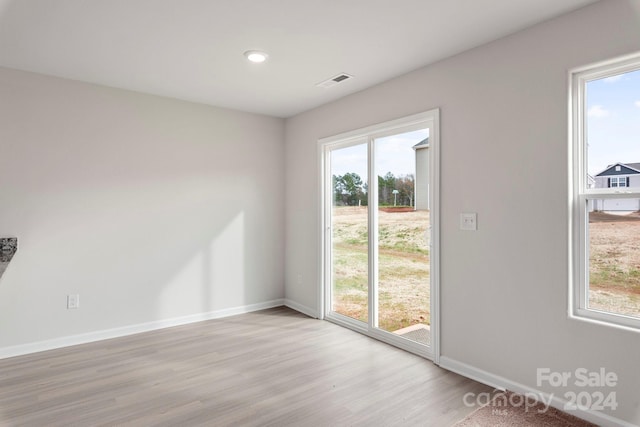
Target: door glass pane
{"points": [[349, 232], [402, 166]]}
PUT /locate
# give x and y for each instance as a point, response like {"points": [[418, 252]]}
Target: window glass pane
{"points": [[614, 263], [612, 117], [613, 130]]}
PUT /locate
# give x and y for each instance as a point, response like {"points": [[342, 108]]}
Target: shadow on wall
{"points": [[140, 251], [143, 255], [146, 207]]}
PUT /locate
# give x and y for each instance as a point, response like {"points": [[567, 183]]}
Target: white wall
{"points": [[149, 208], [504, 155]]}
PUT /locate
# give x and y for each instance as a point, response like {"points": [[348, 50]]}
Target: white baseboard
{"points": [[301, 308], [502, 383], [35, 347]]}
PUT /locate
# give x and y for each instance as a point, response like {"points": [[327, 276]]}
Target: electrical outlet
{"points": [[73, 301]]}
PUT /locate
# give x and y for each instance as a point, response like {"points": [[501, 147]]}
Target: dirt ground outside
{"points": [[403, 282], [614, 265]]}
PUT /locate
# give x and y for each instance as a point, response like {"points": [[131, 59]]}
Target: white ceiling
{"points": [[193, 49]]}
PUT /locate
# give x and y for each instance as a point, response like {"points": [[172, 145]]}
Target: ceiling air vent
{"points": [[335, 80]]}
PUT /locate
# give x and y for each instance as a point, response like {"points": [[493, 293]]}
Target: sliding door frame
{"points": [[428, 119]]}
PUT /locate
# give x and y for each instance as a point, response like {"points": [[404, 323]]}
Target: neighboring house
{"points": [[422, 174], [619, 175]]}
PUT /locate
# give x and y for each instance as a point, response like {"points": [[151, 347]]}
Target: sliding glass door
{"points": [[379, 208]]}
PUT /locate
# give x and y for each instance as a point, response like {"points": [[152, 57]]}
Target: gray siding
{"points": [[603, 181], [422, 178], [613, 172]]}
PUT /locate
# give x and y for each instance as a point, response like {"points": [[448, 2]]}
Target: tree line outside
{"points": [[350, 190]]}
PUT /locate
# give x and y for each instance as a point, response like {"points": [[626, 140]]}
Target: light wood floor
{"points": [[269, 368]]}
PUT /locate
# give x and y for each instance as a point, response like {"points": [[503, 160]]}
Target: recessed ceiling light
{"points": [[256, 56]]}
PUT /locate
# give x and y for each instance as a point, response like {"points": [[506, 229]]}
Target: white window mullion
{"points": [[582, 295], [373, 236]]}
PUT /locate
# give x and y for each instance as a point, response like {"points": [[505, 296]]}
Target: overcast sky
{"points": [[393, 154], [613, 124]]}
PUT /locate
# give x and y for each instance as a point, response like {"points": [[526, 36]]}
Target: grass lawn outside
{"points": [[403, 276], [404, 265], [614, 264]]}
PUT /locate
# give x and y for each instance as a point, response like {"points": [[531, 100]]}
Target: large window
{"points": [[605, 191]]}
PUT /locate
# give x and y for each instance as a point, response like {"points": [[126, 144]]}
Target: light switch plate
{"points": [[469, 221], [73, 301]]}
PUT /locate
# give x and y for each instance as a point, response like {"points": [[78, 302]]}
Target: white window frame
{"points": [[581, 194], [428, 119]]}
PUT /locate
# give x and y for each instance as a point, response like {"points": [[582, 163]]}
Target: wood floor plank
{"points": [[275, 367]]}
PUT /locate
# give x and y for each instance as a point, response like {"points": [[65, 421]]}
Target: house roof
{"points": [[625, 169], [422, 144]]}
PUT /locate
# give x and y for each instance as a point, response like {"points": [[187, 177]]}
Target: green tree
{"points": [[386, 185], [348, 189], [338, 189], [405, 185]]}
